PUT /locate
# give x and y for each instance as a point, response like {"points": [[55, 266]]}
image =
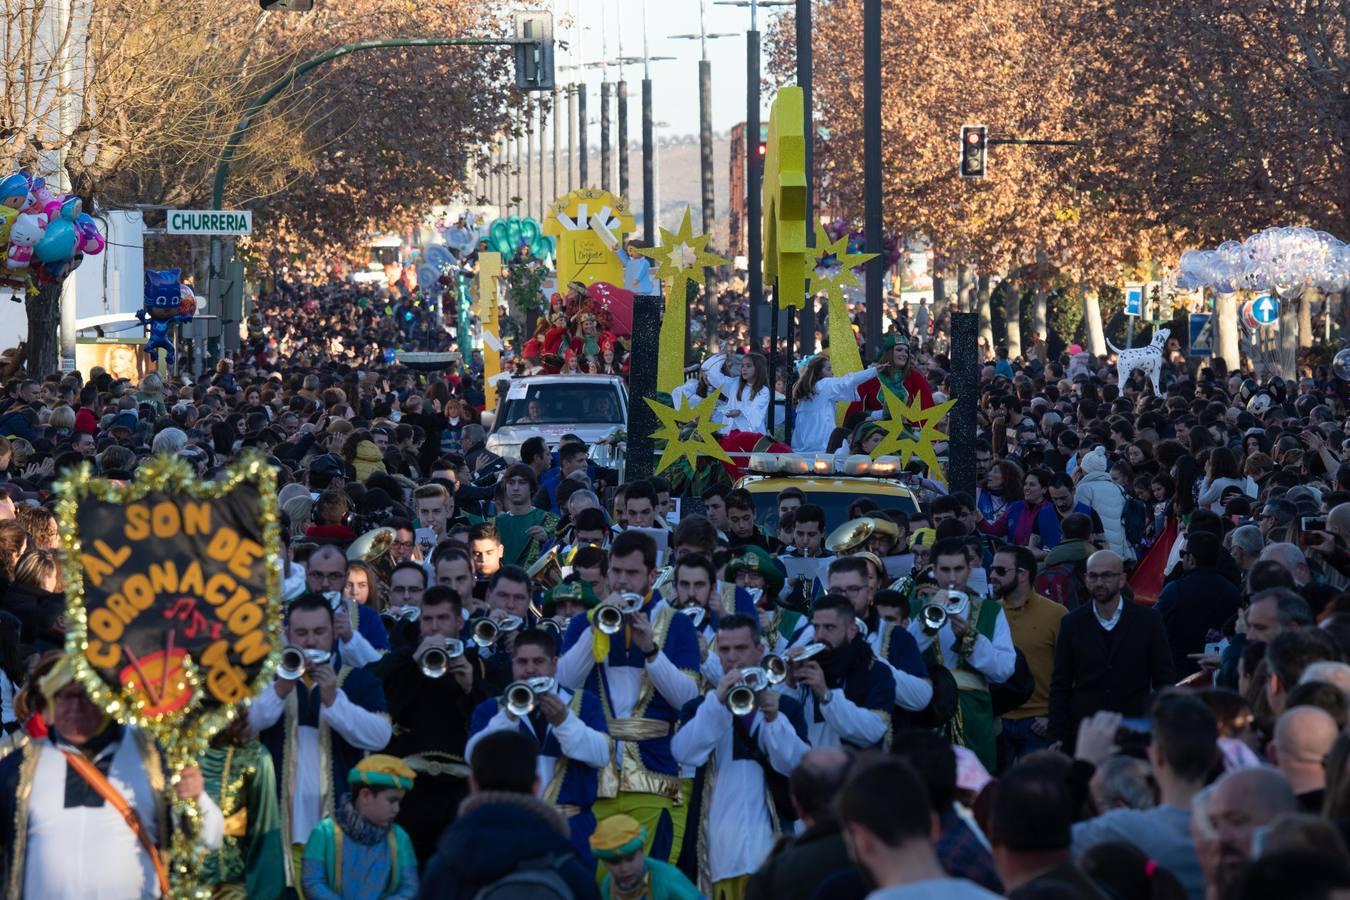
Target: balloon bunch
{"points": [[167, 302], [44, 236], [1282, 260], [892, 247], [506, 236]]}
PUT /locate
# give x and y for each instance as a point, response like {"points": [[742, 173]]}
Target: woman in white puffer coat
{"points": [[1107, 500]]}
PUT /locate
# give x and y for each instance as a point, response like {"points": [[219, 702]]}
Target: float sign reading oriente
{"points": [[210, 221]]}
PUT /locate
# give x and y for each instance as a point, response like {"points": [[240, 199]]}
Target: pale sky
{"points": [[674, 82]]}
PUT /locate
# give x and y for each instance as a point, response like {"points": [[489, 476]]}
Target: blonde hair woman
{"points": [[817, 391]]}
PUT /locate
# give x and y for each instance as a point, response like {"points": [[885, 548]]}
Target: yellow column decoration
{"points": [[489, 270], [785, 250]]}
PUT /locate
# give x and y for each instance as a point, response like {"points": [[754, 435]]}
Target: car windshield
{"points": [[562, 404], [835, 504]]}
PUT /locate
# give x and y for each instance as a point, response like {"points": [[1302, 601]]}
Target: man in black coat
{"points": [[1111, 654], [1201, 600]]}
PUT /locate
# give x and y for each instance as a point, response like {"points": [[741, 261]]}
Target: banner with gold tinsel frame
{"points": [[173, 606]]}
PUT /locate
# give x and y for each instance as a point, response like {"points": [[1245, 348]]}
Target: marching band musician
{"points": [[694, 578], [316, 726], [430, 709], [975, 646], [852, 577], [847, 693], [571, 597], [643, 674], [326, 573], [569, 726], [508, 598], [524, 529], [743, 763]]}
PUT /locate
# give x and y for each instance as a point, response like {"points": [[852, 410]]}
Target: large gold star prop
{"points": [[832, 271], [689, 432], [911, 431], [682, 257]]}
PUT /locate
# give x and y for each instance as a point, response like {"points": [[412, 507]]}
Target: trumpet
{"points": [[664, 578], [520, 697], [609, 616], [941, 608], [486, 631], [741, 698], [553, 627], [435, 661], [809, 652], [775, 668], [295, 660], [403, 613], [695, 614]]}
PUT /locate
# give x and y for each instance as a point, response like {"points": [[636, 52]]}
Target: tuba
{"points": [[546, 573], [855, 533], [520, 697], [609, 617]]}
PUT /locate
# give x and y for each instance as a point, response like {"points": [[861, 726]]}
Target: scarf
{"points": [[356, 827]]}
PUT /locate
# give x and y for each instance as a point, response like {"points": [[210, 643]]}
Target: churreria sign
{"points": [[209, 221]]}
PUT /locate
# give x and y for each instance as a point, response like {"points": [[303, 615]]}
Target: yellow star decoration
{"points": [[901, 439], [689, 432], [681, 258], [831, 271]]}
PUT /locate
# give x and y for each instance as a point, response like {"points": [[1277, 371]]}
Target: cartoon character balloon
{"points": [[164, 302]]}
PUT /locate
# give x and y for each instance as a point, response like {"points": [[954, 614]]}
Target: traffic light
{"points": [[763, 149], [974, 150], [286, 5], [534, 57]]}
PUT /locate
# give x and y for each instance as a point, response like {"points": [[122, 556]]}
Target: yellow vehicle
{"points": [[831, 485]]}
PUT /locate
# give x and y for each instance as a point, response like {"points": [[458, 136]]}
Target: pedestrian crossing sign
{"points": [[1202, 334]]}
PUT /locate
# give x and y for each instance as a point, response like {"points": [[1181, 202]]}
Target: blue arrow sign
{"points": [[1134, 301], [1266, 310], [1202, 334]]}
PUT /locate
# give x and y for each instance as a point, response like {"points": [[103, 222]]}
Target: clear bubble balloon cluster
{"points": [[1285, 261]]}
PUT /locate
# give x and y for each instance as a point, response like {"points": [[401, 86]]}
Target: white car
{"points": [[592, 407]]}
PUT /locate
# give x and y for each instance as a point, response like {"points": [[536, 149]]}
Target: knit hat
{"points": [[85, 423], [1095, 461], [617, 837], [891, 342], [571, 591], [368, 460], [382, 771], [923, 537], [753, 558]]}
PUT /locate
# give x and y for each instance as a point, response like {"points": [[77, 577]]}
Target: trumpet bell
{"points": [[741, 700], [292, 664], [371, 545], [775, 668], [609, 618], [521, 697], [434, 662], [810, 651], [547, 571], [485, 633]]}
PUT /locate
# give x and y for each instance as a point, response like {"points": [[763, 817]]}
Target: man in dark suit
{"points": [[1201, 600], [1110, 655]]}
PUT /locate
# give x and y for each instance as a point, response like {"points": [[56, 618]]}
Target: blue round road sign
{"points": [[1266, 310]]}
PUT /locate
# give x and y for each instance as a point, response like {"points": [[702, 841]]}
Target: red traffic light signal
{"points": [[763, 148], [974, 150]]}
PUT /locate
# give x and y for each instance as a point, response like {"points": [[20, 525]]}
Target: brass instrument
{"points": [[863, 630], [942, 607], [547, 570], [741, 698], [695, 614], [775, 668], [553, 627], [664, 578], [371, 545], [295, 660], [520, 697], [798, 655], [486, 631], [855, 533], [435, 661], [403, 613], [609, 616]]}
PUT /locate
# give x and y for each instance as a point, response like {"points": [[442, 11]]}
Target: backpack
{"points": [[534, 879], [1064, 584]]}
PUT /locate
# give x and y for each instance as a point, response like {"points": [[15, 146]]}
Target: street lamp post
{"points": [[872, 169]]}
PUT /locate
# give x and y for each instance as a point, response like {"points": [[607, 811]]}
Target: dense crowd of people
{"points": [[1118, 668]]}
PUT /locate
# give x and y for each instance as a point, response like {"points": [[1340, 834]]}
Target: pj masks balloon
{"points": [[163, 305]]}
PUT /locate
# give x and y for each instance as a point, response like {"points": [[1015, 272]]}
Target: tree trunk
{"points": [[986, 312], [44, 320], [1012, 304], [1289, 344], [1040, 312], [1092, 314], [1305, 305], [962, 287], [939, 286], [1226, 316]]}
